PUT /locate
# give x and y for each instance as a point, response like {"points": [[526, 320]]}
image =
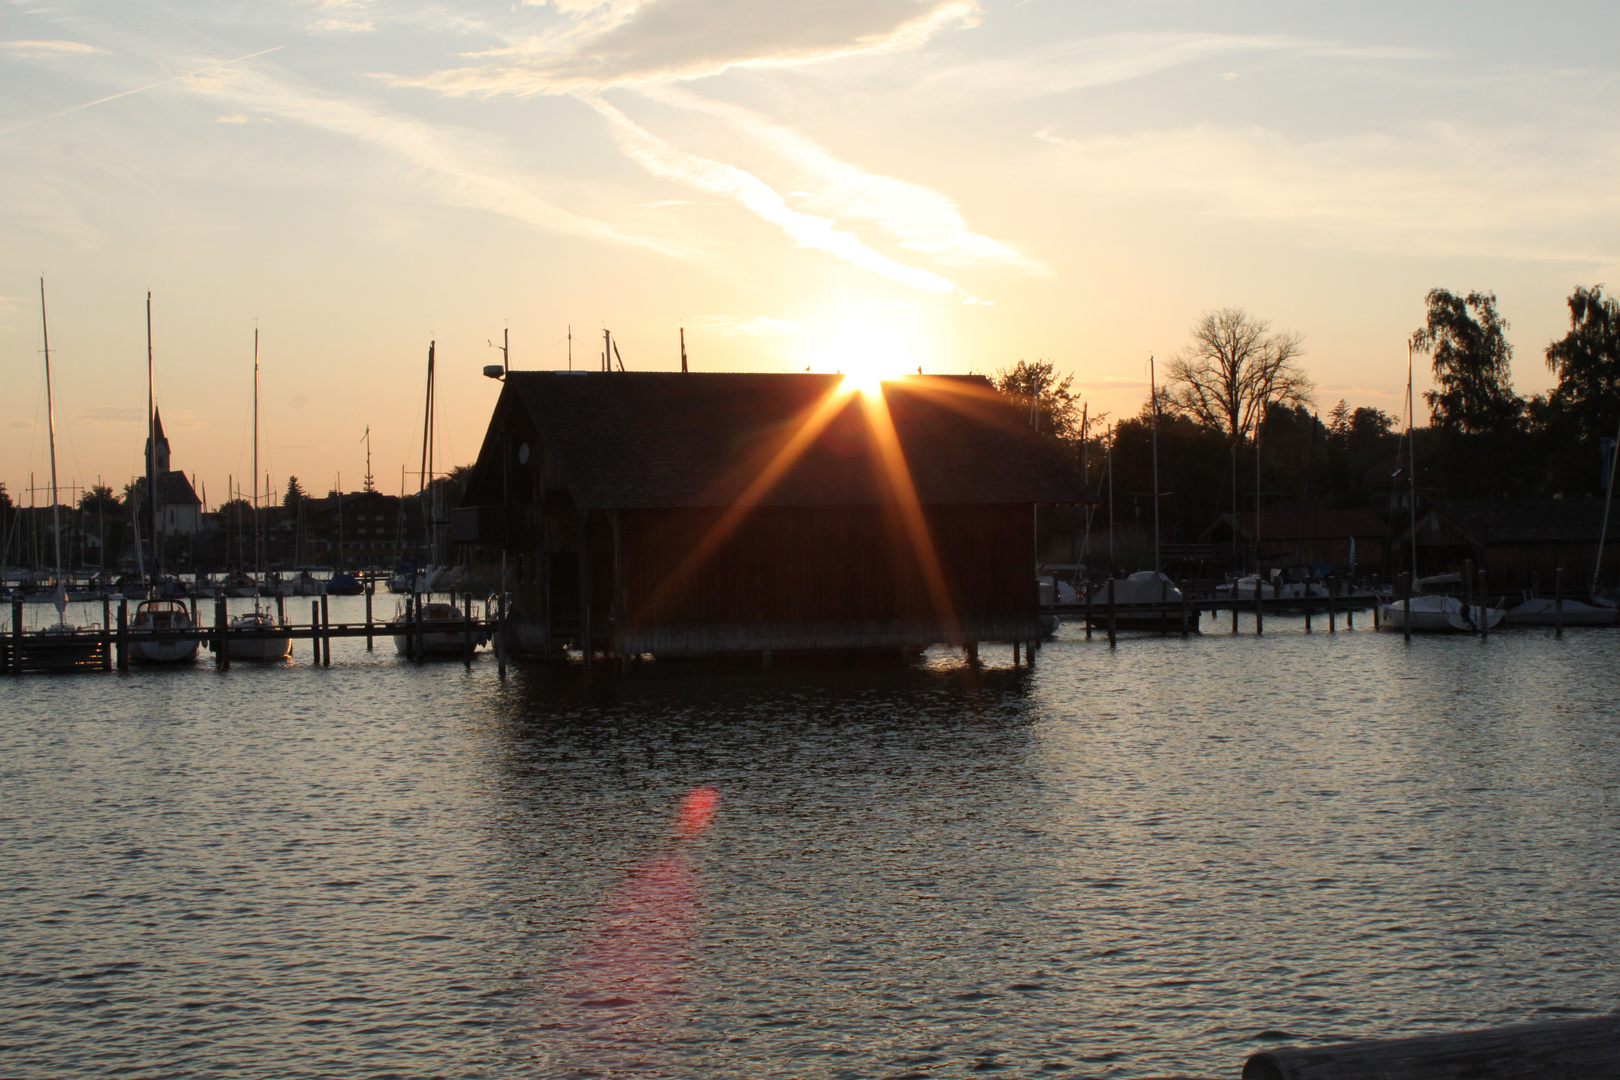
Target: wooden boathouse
{"points": [[729, 514]]}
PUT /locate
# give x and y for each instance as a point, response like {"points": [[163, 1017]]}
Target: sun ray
{"points": [[898, 474], [814, 424]]}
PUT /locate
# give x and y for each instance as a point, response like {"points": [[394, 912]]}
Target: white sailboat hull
{"points": [[1544, 612], [1438, 615]]}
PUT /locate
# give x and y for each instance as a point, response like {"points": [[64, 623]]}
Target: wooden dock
{"points": [[110, 645]]}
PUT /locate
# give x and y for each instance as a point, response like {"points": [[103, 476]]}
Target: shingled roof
{"points": [[667, 439]]}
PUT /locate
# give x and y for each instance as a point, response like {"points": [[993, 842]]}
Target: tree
{"points": [[295, 494], [1472, 364], [135, 492], [1057, 406], [1587, 363], [1232, 367], [100, 499]]}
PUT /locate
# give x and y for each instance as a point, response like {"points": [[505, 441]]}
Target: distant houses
{"points": [[1346, 540]]}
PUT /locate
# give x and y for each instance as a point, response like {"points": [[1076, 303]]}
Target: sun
{"points": [[868, 345]]}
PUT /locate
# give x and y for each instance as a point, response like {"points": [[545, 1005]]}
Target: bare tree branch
{"points": [[1233, 368]]}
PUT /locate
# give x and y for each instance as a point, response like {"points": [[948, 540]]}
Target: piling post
{"points": [[1259, 602], [1088, 588], [416, 630], [466, 632], [193, 609], [16, 634], [1484, 607], [281, 608], [1468, 590], [370, 585], [973, 653], [1558, 603], [1406, 608], [1308, 604], [106, 632], [315, 632], [1112, 637], [500, 636], [1015, 652], [1332, 588], [123, 635], [1186, 587], [326, 632], [221, 651]]}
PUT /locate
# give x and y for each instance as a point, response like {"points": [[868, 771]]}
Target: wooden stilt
{"points": [[123, 635], [315, 632], [371, 587]]}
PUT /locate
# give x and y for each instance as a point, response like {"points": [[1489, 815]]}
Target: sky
{"points": [[940, 184]]}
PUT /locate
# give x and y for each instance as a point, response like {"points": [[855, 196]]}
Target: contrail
{"points": [[139, 89]]}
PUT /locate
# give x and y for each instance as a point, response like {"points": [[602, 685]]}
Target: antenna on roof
{"points": [[683, 350], [617, 356]]}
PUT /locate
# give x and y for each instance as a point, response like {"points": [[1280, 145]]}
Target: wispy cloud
{"points": [[447, 161], [661, 40], [1433, 189], [52, 48], [718, 178], [1109, 59], [922, 219]]}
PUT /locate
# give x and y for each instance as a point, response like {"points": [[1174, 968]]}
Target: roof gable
{"points": [[667, 439]]}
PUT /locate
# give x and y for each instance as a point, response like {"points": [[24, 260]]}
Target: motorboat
{"points": [[307, 584], [271, 640], [163, 616], [444, 630], [1145, 600], [1054, 590], [1547, 611], [1271, 589], [1439, 614]]}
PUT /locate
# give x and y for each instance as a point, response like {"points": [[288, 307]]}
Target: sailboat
{"points": [[268, 640], [157, 616], [60, 645], [1432, 612]]}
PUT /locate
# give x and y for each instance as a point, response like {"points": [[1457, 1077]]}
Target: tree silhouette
{"points": [[1232, 367]]}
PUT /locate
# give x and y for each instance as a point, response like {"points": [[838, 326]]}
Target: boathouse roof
{"points": [[668, 439], [1516, 521]]}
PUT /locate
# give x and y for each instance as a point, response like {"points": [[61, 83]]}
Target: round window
{"points": [[523, 454]]}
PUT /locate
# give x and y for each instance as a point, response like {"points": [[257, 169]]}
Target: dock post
{"points": [[419, 639], [315, 632], [221, 650], [1468, 590], [16, 634], [1332, 585], [370, 585], [106, 632], [281, 608], [1309, 605], [1185, 588], [466, 631], [1015, 652], [123, 635], [1233, 597], [1112, 637], [1484, 607], [1259, 601], [500, 636], [1088, 587], [1406, 608], [1558, 603], [326, 632], [972, 650]]}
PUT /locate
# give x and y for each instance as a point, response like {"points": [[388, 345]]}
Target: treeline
{"points": [[1236, 396]]}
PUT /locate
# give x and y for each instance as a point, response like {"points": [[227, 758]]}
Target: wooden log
{"points": [[123, 635], [106, 632], [371, 586], [326, 632], [1550, 1050], [315, 632]]}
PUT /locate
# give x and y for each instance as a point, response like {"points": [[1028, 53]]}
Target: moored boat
{"points": [[444, 631], [1547, 611], [168, 618], [1439, 614], [257, 636]]}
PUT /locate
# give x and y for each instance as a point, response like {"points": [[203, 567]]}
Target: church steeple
{"points": [[162, 443]]}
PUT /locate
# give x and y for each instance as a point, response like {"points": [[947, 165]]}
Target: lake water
{"points": [[1128, 863]]}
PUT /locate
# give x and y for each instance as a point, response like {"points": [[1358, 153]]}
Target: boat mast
{"points": [[50, 422], [258, 560], [151, 448], [422, 492], [1411, 467], [1608, 501], [1153, 391]]}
